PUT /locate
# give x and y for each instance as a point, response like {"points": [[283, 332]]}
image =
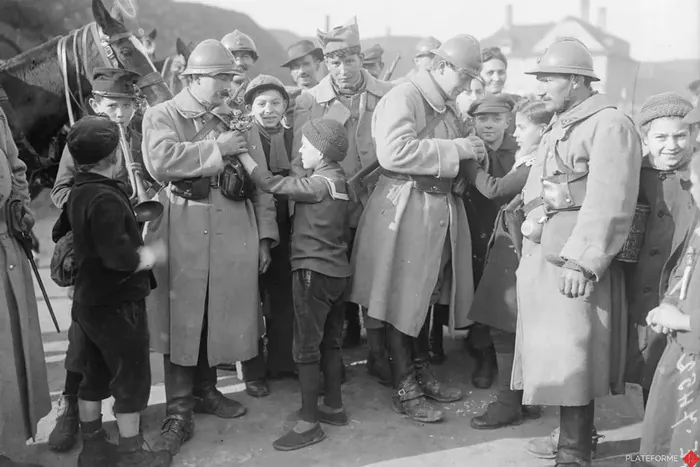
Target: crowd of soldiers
{"points": [[558, 230]]}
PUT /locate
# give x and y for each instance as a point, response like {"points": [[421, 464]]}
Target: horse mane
{"points": [[47, 48]]}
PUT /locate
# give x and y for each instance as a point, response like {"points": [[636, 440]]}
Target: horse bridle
{"points": [[109, 58]]}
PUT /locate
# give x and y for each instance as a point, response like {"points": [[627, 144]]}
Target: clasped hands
{"points": [[232, 143], [473, 148]]}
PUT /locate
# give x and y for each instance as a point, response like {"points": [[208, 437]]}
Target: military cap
{"points": [[373, 54], [491, 104], [339, 38], [92, 139], [300, 50], [114, 82]]}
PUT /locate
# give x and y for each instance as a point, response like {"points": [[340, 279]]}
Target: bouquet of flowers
{"points": [[240, 121]]}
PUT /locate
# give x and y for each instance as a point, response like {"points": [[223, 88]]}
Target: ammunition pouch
{"points": [[235, 183], [193, 189]]}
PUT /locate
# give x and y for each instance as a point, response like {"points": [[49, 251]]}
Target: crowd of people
{"points": [[558, 230]]}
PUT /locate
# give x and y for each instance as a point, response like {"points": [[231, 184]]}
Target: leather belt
{"points": [[424, 183], [532, 205]]}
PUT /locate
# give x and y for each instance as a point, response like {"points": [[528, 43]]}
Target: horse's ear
{"points": [[190, 49], [116, 13], [153, 34], [104, 19], [180, 47]]}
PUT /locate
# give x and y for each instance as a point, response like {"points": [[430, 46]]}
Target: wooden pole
{"points": [[328, 23]]}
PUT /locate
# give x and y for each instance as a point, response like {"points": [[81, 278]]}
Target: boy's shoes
{"points": [[176, 431], [97, 451], [133, 454], [257, 388], [65, 433], [7, 462], [293, 440]]}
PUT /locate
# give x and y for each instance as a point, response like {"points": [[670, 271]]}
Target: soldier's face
{"points": [[423, 63], [451, 80], [669, 142], [243, 60], [492, 127], [212, 89], [468, 96], [345, 71], [374, 69], [268, 108], [304, 71], [494, 75], [555, 91], [119, 110]]}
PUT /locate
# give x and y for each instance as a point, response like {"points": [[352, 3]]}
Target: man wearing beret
{"points": [[349, 95], [664, 186], [373, 62], [219, 228], [113, 279], [304, 63], [113, 95], [492, 117]]}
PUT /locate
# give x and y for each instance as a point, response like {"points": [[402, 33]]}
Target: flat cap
{"points": [[92, 139], [492, 104], [114, 82]]}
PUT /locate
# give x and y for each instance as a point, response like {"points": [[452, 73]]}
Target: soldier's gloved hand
{"points": [[479, 147], [472, 148], [232, 143]]}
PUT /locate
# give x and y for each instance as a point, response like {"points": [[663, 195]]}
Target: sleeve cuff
{"points": [[587, 257], [448, 159]]}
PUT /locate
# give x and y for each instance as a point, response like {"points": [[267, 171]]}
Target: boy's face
{"points": [[268, 108], [119, 109], [669, 142], [310, 156], [491, 127]]}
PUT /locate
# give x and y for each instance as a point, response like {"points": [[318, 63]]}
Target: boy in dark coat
{"points": [[320, 270], [671, 425], [111, 285]]}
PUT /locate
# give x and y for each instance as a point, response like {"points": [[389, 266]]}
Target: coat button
{"points": [[654, 252], [662, 176], [442, 223], [646, 289], [206, 232], [12, 266]]}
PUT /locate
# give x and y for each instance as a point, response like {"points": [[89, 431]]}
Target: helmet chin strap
{"points": [[566, 105]]}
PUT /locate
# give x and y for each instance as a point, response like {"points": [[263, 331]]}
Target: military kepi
{"points": [[340, 38], [492, 104], [114, 82], [92, 139]]}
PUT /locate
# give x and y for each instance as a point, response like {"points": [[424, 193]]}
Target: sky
{"points": [[657, 30]]}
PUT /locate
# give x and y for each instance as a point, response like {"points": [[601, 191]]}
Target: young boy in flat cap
{"points": [[112, 282], [320, 271], [113, 95], [492, 118], [671, 426], [664, 186]]}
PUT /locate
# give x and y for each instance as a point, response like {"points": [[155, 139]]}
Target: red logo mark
{"points": [[691, 459]]}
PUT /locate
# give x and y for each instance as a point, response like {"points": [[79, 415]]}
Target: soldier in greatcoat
{"points": [[671, 426], [24, 389], [579, 205], [664, 186], [206, 309], [413, 247], [348, 94]]}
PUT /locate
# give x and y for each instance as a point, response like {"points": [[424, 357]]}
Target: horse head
{"points": [[173, 66], [149, 42]]}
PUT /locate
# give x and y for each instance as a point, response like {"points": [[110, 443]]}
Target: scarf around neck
{"points": [[277, 159]]}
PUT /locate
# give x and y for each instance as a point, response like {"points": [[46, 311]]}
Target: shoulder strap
{"points": [[208, 127]]}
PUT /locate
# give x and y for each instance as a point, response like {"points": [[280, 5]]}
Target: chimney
{"points": [[509, 17], [586, 10], [602, 18], [328, 23]]}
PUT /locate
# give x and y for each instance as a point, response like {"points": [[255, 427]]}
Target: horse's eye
{"points": [[126, 52]]}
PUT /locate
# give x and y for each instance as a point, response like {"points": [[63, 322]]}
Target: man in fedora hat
{"points": [[348, 94], [305, 59]]}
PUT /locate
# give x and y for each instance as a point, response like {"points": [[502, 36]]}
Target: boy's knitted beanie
{"points": [[328, 136], [667, 104]]}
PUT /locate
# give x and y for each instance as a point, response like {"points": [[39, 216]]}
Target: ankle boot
{"points": [[485, 368], [65, 433], [7, 462], [132, 454], [437, 350], [507, 408], [408, 397], [178, 426], [208, 399], [575, 443], [353, 329], [425, 377], [97, 451], [377, 358]]}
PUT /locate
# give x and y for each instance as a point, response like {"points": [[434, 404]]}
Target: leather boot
{"points": [[133, 454], [97, 451], [507, 408], [575, 444], [377, 358], [353, 329], [407, 397], [485, 368], [425, 377], [437, 350], [65, 433], [7, 462], [208, 399], [178, 426]]}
